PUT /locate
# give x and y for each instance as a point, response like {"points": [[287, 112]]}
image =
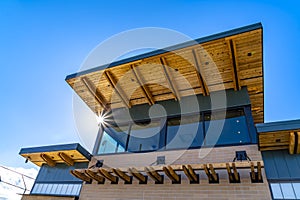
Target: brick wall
{"points": [[185, 190]]}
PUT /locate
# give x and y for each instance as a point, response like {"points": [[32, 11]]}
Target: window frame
{"points": [[163, 133], [279, 182]]}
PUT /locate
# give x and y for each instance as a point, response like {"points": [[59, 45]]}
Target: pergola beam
{"points": [[197, 63], [107, 175], [169, 79], [95, 92], [117, 88], [175, 178], [235, 173], [134, 172], [94, 175], [234, 67], [213, 172], [154, 175], [259, 176], [81, 175], [229, 172], [140, 81], [157, 172], [122, 175]]}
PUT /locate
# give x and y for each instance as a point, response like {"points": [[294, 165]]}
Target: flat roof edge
{"points": [[171, 48], [60, 147], [278, 126]]}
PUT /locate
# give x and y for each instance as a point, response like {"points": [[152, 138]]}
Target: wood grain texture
{"points": [[205, 67]]}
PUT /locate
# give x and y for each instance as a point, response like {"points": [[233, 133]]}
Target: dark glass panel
{"points": [[144, 136], [113, 139], [184, 132], [230, 130]]}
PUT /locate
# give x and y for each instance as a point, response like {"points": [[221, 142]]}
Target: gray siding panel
{"points": [[270, 166], [280, 165]]}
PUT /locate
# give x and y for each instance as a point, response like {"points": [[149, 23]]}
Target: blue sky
{"points": [[43, 41]]}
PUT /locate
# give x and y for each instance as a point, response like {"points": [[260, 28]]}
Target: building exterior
{"points": [[185, 122]]}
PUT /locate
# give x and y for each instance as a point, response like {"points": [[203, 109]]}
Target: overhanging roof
{"points": [[227, 60], [65, 153], [279, 135]]}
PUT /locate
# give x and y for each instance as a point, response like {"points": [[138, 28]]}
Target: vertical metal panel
{"points": [[280, 165], [270, 166], [59, 173]]}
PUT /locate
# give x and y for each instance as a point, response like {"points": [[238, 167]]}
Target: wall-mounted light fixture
{"points": [[240, 156]]}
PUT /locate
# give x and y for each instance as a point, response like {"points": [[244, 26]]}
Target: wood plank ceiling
{"points": [[51, 158], [225, 63]]}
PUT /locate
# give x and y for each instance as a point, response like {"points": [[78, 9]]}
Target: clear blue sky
{"points": [[43, 41]]}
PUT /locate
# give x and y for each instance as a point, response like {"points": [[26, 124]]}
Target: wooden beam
{"points": [[137, 175], [80, 175], [235, 173], [193, 173], [235, 67], [294, 143], [229, 172], [298, 143], [94, 175], [171, 174], [67, 159], [190, 173], [48, 159], [108, 176], [95, 92], [187, 173], [153, 174], [252, 171], [213, 173], [259, 176], [217, 166], [117, 88], [197, 63], [122, 175], [145, 89], [207, 172], [169, 79]]}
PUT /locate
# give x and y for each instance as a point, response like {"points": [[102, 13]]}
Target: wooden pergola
{"points": [[158, 172], [229, 60]]}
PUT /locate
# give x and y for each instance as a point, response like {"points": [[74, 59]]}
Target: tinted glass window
{"points": [[113, 139], [144, 136], [226, 128], [184, 132]]}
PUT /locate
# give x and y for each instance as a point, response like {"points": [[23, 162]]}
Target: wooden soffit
{"points": [[279, 135], [51, 155], [229, 60]]}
